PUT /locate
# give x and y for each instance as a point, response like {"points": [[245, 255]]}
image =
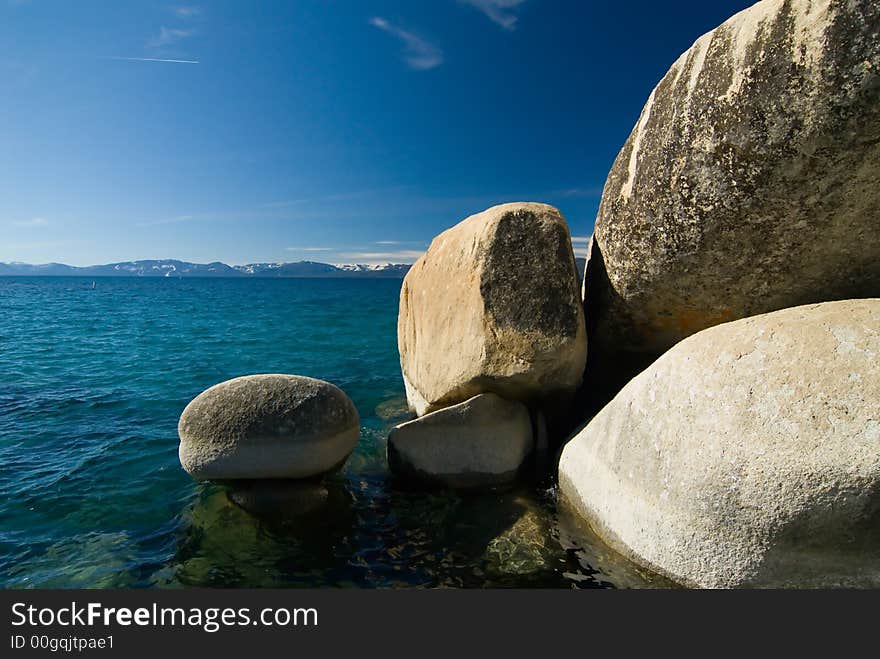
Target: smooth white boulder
{"points": [[746, 455], [480, 442]]}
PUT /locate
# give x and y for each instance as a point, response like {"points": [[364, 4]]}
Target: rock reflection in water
{"points": [[281, 500], [597, 559], [372, 535], [359, 528]]}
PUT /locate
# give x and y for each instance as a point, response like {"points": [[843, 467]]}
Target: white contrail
{"points": [[418, 53], [154, 59]]}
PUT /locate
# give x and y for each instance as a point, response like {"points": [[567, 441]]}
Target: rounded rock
{"points": [[267, 426], [749, 183], [748, 455]]}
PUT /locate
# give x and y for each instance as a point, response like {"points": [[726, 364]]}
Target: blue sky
{"points": [[312, 130]]}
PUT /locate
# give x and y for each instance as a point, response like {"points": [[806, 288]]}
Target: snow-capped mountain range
{"points": [[173, 268]]}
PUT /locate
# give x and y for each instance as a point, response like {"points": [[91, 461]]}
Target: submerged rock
{"points": [[225, 544], [267, 426], [493, 306], [279, 498], [480, 442], [747, 455], [526, 547], [749, 183], [91, 560], [394, 410]]}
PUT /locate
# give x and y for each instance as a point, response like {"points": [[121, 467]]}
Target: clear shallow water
{"points": [[92, 382]]}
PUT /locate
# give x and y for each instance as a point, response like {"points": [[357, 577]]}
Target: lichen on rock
{"points": [[493, 306], [749, 182]]}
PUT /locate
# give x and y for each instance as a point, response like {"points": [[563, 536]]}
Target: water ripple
{"points": [[92, 495]]}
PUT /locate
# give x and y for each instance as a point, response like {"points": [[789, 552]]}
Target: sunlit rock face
{"points": [[493, 306], [750, 181], [481, 442], [747, 455]]}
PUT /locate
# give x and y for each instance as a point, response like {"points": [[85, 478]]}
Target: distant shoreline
{"points": [[240, 277], [172, 268]]}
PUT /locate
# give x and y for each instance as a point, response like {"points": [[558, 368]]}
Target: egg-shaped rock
{"points": [[267, 426]]}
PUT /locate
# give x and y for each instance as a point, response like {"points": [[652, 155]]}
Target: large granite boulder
{"points": [[747, 455], [267, 426], [493, 306], [749, 183], [481, 442]]}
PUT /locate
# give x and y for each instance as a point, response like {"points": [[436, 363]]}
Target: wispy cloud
{"points": [[168, 220], [403, 254], [401, 243], [308, 200], [187, 11], [156, 59], [579, 244], [31, 222], [309, 249], [500, 12], [339, 196], [594, 191], [168, 36], [418, 53], [284, 204]]}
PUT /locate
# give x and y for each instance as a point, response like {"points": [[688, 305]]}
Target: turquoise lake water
{"points": [[93, 380]]}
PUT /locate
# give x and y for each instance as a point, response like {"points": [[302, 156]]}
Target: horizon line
{"points": [[231, 265]]}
